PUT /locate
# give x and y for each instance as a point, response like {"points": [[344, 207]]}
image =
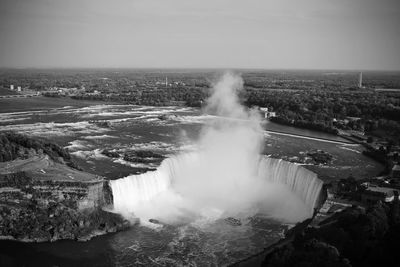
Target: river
{"points": [[87, 128]]}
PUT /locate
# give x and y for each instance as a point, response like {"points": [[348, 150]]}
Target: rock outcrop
{"points": [[48, 202]]}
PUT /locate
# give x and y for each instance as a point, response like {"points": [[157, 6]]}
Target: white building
{"points": [[268, 114], [11, 87], [19, 89]]}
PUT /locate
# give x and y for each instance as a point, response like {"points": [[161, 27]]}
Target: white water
{"points": [[166, 192], [134, 190], [304, 183]]}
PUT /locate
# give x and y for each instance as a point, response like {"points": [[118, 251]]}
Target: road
{"points": [[312, 138]]}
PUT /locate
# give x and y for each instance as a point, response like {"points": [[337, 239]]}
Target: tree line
{"points": [[18, 146]]}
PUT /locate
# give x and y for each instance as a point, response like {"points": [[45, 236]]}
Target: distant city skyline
{"points": [[239, 34]]}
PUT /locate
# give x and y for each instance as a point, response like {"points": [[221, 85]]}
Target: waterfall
{"points": [[301, 181], [133, 191]]}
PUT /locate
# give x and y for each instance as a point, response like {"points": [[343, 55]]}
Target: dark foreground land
{"points": [[354, 237]]}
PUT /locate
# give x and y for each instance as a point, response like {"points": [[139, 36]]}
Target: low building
{"points": [[353, 118], [359, 135], [373, 194], [396, 171], [267, 114], [270, 114]]}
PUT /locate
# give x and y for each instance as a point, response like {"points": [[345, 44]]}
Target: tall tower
{"points": [[166, 81], [360, 81]]}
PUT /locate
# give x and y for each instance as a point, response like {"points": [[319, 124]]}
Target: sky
{"points": [[267, 34]]}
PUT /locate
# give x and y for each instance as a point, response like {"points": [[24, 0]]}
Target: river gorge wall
{"points": [[34, 210]]}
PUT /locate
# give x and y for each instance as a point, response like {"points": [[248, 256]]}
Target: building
{"points": [[359, 136], [267, 114], [373, 194], [11, 87], [396, 171], [19, 89], [353, 119]]}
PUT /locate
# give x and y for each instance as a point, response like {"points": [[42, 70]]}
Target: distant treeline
{"points": [[14, 145], [192, 96], [324, 110], [317, 126]]}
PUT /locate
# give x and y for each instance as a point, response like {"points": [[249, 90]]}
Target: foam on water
{"points": [[95, 137], [56, 129], [89, 154], [77, 145]]}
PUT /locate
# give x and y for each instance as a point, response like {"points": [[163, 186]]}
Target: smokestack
{"points": [[166, 81], [360, 81]]}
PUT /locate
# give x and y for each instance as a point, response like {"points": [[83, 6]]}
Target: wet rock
{"points": [[232, 221], [143, 156], [320, 156], [165, 117], [154, 221], [110, 154]]}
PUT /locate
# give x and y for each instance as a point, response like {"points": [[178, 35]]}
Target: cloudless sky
{"points": [[300, 34]]}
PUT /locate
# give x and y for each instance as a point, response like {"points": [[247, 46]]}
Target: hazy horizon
{"points": [[200, 69], [348, 35]]}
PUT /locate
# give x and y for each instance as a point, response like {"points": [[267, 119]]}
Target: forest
{"points": [[353, 237], [18, 146], [375, 113]]}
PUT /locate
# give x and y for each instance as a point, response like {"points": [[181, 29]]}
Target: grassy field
{"points": [[4, 91], [42, 168]]}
